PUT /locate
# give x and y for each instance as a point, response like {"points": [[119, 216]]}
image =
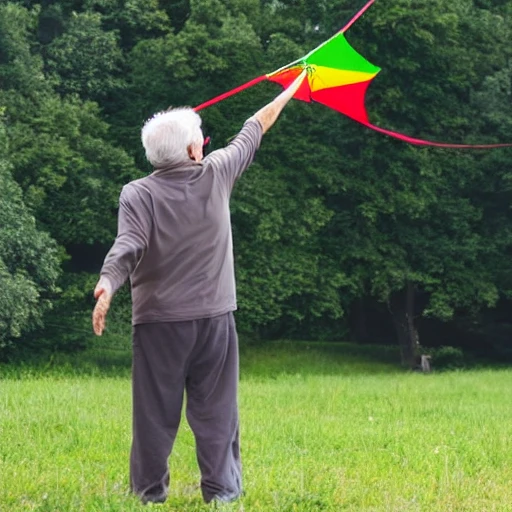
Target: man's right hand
{"points": [[268, 115], [103, 296]]}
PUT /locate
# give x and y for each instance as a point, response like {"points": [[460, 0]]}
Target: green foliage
{"points": [[417, 215], [133, 20], [447, 358], [85, 60], [69, 171], [330, 213], [29, 263], [20, 67], [279, 220], [60, 153], [68, 326]]}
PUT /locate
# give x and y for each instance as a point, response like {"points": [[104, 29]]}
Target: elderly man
{"points": [[174, 242]]}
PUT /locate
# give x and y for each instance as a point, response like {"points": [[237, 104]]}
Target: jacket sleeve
{"points": [[133, 231], [234, 159]]}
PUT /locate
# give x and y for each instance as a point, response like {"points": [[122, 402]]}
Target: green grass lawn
{"points": [[327, 428]]}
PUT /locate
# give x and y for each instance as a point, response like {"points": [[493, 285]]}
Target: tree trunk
{"points": [[360, 321], [402, 309]]}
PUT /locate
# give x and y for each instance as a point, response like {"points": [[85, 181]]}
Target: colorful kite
{"points": [[338, 77]]}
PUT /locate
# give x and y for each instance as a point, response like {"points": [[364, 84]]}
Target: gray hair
{"points": [[167, 135]]}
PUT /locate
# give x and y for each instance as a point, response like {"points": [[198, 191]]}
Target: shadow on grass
{"points": [[97, 362], [270, 359], [261, 360]]}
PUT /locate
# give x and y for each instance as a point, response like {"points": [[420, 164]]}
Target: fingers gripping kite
{"points": [[338, 77]]}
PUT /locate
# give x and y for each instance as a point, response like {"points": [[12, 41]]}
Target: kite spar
{"points": [[338, 77]]}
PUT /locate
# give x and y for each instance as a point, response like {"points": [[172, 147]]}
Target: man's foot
{"points": [[227, 497], [153, 498]]}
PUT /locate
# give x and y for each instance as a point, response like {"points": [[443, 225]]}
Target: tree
{"points": [[59, 147], [29, 263], [70, 174], [331, 214], [133, 20], [20, 67], [416, 226], [85, 60]]}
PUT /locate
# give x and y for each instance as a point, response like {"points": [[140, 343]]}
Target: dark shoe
{"points": [[227, 497], [153, 498]]}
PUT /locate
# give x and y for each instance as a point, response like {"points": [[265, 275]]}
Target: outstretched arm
{"points": [[268, 115], [134, 226]]}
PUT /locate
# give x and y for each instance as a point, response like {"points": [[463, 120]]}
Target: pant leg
{"points": [[160, 355], [212, 407]]}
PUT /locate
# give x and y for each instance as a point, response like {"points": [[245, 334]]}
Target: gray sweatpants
{"points": [[201, 358]]}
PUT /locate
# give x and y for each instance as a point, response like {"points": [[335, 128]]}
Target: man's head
{"points": [[173, 137]]}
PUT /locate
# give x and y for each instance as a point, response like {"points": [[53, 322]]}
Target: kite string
{"points": [[298, 61], [342, 31], [356, 17], [225, 95]]}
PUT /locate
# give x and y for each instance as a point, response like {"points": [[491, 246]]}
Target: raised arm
{"points": [[234, 159], [268, 115]]}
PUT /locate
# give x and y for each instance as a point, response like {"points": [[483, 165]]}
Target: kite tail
{"points": [[421, 142], [230, 93]]}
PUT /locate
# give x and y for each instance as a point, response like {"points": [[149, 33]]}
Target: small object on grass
{"points": [[425, 363]]}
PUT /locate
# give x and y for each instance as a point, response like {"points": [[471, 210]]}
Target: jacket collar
{"points": [[185, 166]]}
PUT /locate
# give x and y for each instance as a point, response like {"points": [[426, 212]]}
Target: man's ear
{"points": [[195, 152]]}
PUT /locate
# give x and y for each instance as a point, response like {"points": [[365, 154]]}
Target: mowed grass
{"points": [[324, 428]]}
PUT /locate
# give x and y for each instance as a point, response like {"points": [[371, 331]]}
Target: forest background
{"points": [[340, 233]]}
